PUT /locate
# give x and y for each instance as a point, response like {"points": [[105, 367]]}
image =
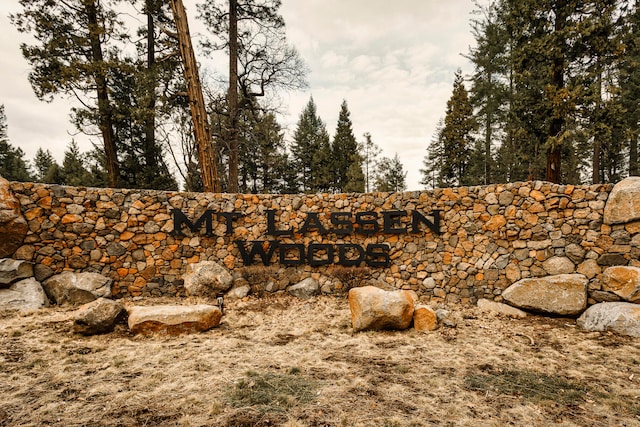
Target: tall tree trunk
{"points": [[150, 117], [557, 82], [597, 142], [634, 168], [488, 135], [104, 107], [233, 96], [201, 127]]}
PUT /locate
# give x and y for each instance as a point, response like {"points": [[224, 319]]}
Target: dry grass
{"points": [[283, 362]]}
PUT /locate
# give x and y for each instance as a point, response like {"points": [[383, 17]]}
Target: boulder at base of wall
{"points": [[24, 295], [77, 288], [376, 309], [424, 318], [13, 226], [500, 308], [206, 279], [305, 289], [620, 317], [623, 204], [173, 319], [562, 294], [97, 317], [622, 281], [13, 270]]}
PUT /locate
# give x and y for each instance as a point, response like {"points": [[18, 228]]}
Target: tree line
{"points": [[553, 96], [138, 91]]}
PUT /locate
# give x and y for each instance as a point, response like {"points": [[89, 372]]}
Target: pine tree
{"points": [[74, 172], [433, 161], [391, 177], [46, 168], [355, 176], [13, 166], [457, 137], [72, 58], [369, 152], [311, 151], [344, 148], [629, 70]]}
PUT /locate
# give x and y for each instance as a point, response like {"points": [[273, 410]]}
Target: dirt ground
{"points": [[279, 361]]}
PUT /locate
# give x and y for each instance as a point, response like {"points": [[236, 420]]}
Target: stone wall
{"points": [[490, 237]]}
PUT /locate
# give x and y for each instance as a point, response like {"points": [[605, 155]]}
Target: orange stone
{"points": [[127, 235], [496, 223], [71, 218]]}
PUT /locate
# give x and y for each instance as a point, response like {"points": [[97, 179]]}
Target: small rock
{"points": [[500, 308], [620, 317], [13, 226], [306, 289], [173, 319], [239, 292], [424, 318], [97, 317], [558, 265]]}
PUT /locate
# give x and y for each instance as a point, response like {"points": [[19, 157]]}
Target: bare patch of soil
{"points": [[279, 361]]}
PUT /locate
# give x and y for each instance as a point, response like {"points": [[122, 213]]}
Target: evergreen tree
{"points": [[13, 166], [391, 177], [433, 161], [74, 172], [456, 138], [369, 152], [355, 176], [629, 75], [46, 168], [311, 151], [344, 149], [72, 58]]}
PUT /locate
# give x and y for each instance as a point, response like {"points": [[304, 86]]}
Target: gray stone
{"points": [[26, 294], [239, 292], [115, 249], [42, 272], [77, 288], [173, 319], [623, 204], [500, 308], [619, 317], [207, 279], [306, 289], [575, 253], [12, 270], [97, 317], [558, 265], [505, 198], [604, 296], [562, 294]]}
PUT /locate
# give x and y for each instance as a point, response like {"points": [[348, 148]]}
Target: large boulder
{"points": [[375, 309], [622, 281], [562, 294], [623, 204], [77, 288], [305, 289], [97, 317], [13, 226], [26, 295], [207, 279], [620, 317], [13, 270], [173, 319]]}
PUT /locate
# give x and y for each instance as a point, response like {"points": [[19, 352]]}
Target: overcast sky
{"points": [[393, 62]]}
